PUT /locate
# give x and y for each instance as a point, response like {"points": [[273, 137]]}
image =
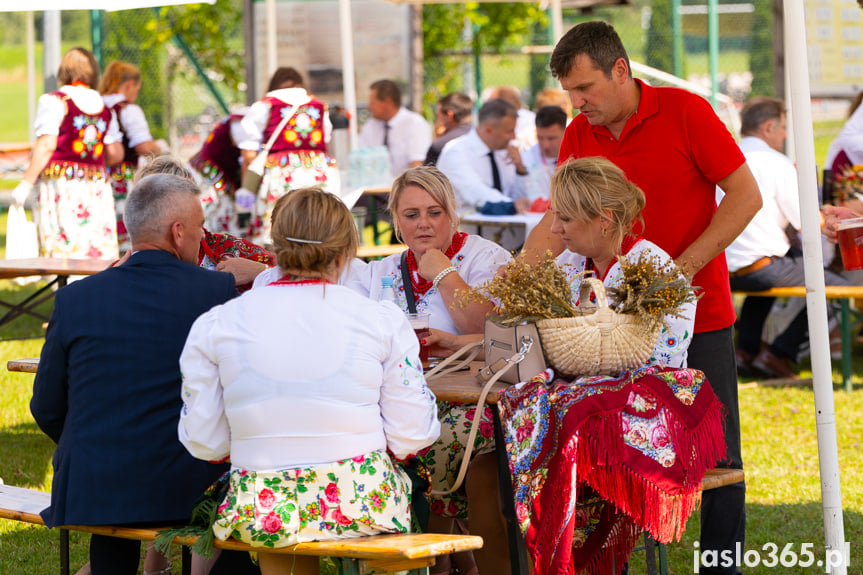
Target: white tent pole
{"points": [[348, 78], [790, 148], [31, 75], [50, 48], [825, 416], [272, 46], [556, 20]]}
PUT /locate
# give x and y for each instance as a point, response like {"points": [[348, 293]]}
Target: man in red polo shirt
{"points": [[673, 146]]}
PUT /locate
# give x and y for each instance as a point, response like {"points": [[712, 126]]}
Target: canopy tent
{"points": [[109, 5]]}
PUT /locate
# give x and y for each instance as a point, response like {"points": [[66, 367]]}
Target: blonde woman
{"points": [[120, 86], [307, 386], [76, 137]]}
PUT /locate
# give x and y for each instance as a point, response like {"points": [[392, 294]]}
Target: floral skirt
{"points": [[281, 178], [366, 495], [444, 457], [75, 218]]}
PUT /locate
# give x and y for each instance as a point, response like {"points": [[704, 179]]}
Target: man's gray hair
{"points": [[154, 204], [496, 110]]}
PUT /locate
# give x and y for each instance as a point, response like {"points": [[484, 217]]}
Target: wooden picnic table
{"points": [[60, 268]]}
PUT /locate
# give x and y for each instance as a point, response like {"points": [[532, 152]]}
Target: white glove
{"points": [[21, 192], [244, 200]]}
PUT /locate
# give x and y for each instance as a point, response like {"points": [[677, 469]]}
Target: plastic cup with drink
{"points": [[420, 324], [849, 233]]}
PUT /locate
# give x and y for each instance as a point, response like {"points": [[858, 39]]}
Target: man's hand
{"points": [[830, 218], [522, 205], [513, 156]]}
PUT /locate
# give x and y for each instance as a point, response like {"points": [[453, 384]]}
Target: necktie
{"points": [[495, 174], [386, 135]]}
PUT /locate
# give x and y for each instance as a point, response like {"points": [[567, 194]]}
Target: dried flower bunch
{"points": [[650, 288], [525, 292], [848, 184]]}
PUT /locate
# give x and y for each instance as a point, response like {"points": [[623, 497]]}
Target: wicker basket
{"points": [[599, 342]]}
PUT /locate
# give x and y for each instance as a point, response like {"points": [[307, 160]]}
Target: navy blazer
{"points": [[108, 392]]}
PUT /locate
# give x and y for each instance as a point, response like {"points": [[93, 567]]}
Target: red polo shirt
{"points": [[676, 149]]}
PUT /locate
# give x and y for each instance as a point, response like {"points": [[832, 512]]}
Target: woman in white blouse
{"points": [[120, 86], [306, 386], [76, 137]]}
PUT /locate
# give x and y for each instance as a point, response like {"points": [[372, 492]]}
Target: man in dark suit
{"points": [[108, 386]]}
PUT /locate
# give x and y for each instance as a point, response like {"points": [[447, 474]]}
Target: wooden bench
{"points": [[361, 555], [842, 293]]}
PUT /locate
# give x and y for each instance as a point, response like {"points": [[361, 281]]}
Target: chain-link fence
{"points": [[745, 51]]}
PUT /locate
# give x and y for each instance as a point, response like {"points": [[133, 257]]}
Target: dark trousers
{"points": [[784, 271], [723, 510], [114, 556]]}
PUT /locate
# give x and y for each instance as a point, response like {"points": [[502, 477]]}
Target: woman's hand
{"points": [[443, 344], [245, 271], [831, 217], [432, 263]]}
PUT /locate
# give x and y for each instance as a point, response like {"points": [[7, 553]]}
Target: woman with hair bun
{"points": [[307, 387]]}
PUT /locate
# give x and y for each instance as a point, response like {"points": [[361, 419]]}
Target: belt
{"points": [[758, 264]]}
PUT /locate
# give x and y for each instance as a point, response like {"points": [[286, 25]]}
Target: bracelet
{"points": [[437, 279]]}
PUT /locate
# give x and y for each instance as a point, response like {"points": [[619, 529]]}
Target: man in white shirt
{"points": [[525, 133], [761, 257], [485, 171], [540, 160], [406, 134]]}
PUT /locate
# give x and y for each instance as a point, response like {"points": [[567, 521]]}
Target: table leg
{"points": [[32, 301], [64, 552], [517, 548], [845, 326]]}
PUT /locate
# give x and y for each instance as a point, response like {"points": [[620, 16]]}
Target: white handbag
{"points": [[21, 239]]}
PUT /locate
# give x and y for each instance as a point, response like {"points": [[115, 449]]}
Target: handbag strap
{"points": [[513, 360], [406, 281], [466, 354], [266, 149]]}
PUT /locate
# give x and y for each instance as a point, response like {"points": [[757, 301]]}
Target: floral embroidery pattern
{"points": [[353, 497], [90, 132]]}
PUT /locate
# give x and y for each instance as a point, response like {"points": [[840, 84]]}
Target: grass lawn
{"points": [[779, 448]]}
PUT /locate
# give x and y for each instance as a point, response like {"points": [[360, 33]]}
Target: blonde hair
{"points": [[317, 217], [585, 188], [78, 65], [164, 164], [554, 97], [116, 74], [430, 179]]}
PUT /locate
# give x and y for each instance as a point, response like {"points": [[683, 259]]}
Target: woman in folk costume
{"points": [[121, 83], [76, 136], [298, 157], [217, 169], [313, 391]]}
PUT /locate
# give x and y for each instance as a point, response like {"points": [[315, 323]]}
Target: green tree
{"points": [[761, 54], [659, 49], [495, 27]]}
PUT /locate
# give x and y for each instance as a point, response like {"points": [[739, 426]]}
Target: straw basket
{"points": [[599, 342]]}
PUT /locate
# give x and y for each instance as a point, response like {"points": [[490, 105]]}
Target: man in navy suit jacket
{"points": [[108, 386]]}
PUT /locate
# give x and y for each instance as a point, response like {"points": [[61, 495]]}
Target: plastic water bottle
{"points": [[387, 291]]}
